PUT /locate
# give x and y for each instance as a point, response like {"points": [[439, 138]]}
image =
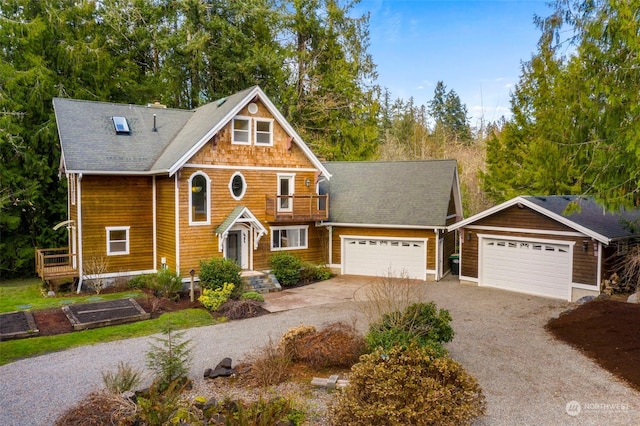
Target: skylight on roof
{"points": [[121, 125]]}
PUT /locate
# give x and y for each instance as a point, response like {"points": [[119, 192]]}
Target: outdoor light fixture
{"points": [[469, 236], [307, 182], [585, 245]]}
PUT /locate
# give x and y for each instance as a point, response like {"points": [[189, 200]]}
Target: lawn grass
{"points": [[20, 294], [13, 350]]}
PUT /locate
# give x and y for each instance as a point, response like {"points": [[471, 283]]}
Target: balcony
{"points": [[56, 263], [297, 208]]}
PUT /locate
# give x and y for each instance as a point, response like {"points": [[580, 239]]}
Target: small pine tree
{"points": [[170, 360]]}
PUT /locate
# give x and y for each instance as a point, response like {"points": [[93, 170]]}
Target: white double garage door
{"points": [[384, 256], [539, 268]]}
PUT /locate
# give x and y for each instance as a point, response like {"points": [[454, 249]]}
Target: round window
{"points": [[237, 186]]}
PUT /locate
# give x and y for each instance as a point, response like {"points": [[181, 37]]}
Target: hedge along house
{"points": [[536, 245], [390, 218], [152, 187]]}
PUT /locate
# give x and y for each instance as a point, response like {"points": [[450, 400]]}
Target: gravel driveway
{"points": [[527, 377]]}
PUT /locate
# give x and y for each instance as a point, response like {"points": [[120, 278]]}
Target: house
{"points": [[537, 245], [152, 187], [390, 218]]}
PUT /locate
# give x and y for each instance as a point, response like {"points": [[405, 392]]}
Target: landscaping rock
{"points": [[223, 369], [585, 299], [633, 298]]}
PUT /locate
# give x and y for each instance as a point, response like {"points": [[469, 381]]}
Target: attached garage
{"points": [[381, 256], [533, 267]]}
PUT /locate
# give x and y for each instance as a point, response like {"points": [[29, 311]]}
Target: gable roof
{"points": [[393, 193], [90, 144], [590, 218]]}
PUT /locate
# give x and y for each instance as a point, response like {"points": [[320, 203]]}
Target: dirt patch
{"points": [[607, 332]]}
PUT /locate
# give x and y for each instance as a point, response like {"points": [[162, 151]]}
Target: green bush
{"points": [[420, 323], [125, 378], [286, 267], [141, 281], [252, 295], [310, 272], [166, 283], [408, 386], [215, 272], [213, 299]]}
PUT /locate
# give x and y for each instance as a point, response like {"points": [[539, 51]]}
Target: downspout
{"points": [[79, 225], [599, 273], [330, 245]]}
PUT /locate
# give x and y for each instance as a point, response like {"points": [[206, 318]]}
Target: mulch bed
{"points": [[608, 332]]}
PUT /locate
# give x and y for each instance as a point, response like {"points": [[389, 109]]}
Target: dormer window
{"points": [[121, 125]]}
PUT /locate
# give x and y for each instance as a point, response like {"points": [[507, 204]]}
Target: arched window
{"points": [[199, 200]]}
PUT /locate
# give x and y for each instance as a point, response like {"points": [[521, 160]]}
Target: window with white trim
{"points": [[241, 131], [237, 186], [264, 132], [117, 240], [199, 199], [289, 237]]}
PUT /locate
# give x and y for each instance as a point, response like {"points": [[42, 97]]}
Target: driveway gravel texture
{"points": [[528, 377]]}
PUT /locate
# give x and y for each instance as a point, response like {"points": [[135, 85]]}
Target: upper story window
{"points": [[117, 240], [264, 132], [237, 186], [241, 131], [199, 199]]}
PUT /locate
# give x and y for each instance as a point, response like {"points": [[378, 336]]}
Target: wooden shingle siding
{"points": [[525, 218], [118, 201], [336, 249]]}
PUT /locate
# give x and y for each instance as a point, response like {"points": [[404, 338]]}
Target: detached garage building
{"points": [[390, 218], [534, 245]]}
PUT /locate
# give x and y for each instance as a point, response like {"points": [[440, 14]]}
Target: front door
{"points": [[234, 246]]}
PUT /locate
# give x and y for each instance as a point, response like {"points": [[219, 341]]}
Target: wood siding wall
{"points": [[260, 166], [585, 264], [166, 221], [118, 201]]}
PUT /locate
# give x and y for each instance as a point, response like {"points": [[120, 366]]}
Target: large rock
{"points": [[223, 369], [633, 298]]}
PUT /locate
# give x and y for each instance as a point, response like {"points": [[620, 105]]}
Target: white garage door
{"points": [[528, 267], [379, 257]]}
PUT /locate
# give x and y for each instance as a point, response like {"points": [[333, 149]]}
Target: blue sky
{"points": [[475, 47]]}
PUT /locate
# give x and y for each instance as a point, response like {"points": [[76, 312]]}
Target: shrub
{"points": [[240, 309], [215, 272], [288, 343], [124, 379], [170, 360], [269, 365], [337, 345], [286, 267], [252, 295], [160, 404], [420, 323], [274, 411], [166, 283], [310, 272], [213, 299], [97, 409], [141, 281], [408, 386]]}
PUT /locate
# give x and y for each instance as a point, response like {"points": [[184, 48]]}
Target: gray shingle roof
{"points": [[90, 143], [591, 215], [408, 193]]}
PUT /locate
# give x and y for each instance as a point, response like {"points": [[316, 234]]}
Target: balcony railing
{"points": [[56, 263], [292, 208]]}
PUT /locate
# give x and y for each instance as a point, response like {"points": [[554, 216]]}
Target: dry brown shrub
{"points": [[269, 365], [388, 294], [337, 345], [288, 344], [98, 409], [240, 309]]}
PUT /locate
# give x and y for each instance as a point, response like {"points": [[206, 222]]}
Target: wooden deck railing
{"points": [[55, 263], [289, 208]]}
